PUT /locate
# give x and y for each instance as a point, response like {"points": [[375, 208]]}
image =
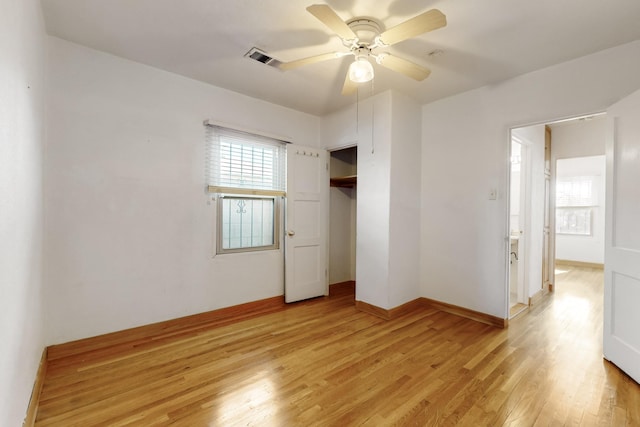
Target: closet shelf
{"points": [[344, 181]]}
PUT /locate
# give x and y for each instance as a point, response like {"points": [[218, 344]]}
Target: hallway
{"points": [[565, 336]]}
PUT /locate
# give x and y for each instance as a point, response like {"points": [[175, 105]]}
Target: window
{"points": [[247, 223], [573, 221], [247, 172], [575, 198]]}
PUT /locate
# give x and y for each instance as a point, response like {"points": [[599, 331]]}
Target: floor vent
{"points": [[260, 56]]}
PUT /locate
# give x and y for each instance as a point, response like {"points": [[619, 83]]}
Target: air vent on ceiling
{"points": [[260, 56]]}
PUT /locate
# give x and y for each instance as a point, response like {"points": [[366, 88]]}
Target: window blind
{"points": [[243, 163], [578, 191]]}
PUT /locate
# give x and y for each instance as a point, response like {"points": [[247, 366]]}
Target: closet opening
{"points": [[343, 170]]}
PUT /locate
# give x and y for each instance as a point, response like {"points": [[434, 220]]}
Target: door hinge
{"points": [[327, 165]]}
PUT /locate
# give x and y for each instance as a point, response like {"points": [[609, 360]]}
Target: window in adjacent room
{"points": [[247, 172], [575, 198]]}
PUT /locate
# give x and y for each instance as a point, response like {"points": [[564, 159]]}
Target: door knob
{"points": [[291, 233]]}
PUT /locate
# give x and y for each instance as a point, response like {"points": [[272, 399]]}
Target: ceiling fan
{"points": [[363, 36]]}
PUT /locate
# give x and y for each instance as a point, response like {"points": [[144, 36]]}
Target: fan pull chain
{"points": [[373, 105], [358, 113]]}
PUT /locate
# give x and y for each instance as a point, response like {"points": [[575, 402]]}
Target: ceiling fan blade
{"points": [[350, 87], [328, 17], [428, 21], [403, 66], [285, 66]]}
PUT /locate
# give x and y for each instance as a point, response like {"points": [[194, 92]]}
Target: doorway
{"points": [[517, 221], [579, 170], [528, 200], [536, 164], [622, 238]]}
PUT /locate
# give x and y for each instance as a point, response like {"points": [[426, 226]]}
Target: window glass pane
{"points": [[575, 221], [247, 223]]}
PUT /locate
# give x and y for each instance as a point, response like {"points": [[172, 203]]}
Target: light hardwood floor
{"points": [[324, 363]]}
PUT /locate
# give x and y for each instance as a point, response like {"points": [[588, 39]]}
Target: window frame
{"points": [[220, 250]]}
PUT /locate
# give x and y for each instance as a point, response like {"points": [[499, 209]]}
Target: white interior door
{"points": [[306, 223], [622, 242]]}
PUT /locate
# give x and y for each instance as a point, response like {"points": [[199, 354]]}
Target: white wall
{"points": [[22, 54], [582, 139], [374, 183], [404, 218], [129, 228], [578, 138], [463, 252], [341, 128]]}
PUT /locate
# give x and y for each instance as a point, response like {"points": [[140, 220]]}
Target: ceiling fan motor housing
{"points": [[366, 29]]}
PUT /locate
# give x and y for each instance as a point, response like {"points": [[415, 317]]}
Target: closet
{"points": [[343, 166]]}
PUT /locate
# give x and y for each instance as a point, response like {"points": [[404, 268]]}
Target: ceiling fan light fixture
{"points": [[360, 70]]}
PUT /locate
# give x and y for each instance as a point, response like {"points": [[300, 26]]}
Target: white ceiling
{"points": [[485, 41]]}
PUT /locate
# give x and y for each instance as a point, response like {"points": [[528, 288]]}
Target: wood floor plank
{"points": [[322, 362]]}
